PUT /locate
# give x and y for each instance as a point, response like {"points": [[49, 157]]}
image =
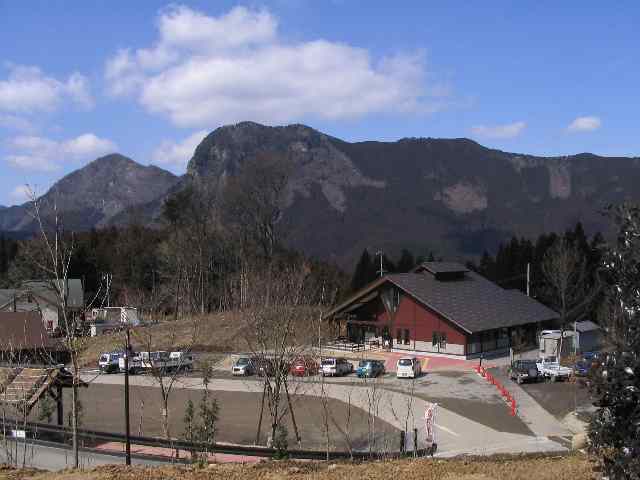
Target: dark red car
{"points": [[304, 366]]}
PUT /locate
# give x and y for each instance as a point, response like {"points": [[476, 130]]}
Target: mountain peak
{"points": [[98, 192]]}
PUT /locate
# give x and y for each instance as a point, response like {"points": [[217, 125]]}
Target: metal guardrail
{"points": [[346, 346], [64, 434]]}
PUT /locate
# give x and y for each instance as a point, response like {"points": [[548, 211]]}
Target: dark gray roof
{"points": [[47, 290], [7, 295], [473, 302], [442, 267]]}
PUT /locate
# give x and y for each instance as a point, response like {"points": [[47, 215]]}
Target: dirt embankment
{"points": [[570, 467], [215, 333]]}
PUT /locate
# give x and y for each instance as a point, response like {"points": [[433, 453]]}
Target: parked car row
{"points": [[408, 367], [549, 369], [140, 362]]}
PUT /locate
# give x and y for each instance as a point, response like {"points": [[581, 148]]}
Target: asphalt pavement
{"points": [[402, 409], [57, 458]]}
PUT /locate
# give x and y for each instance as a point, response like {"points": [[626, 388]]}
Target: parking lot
{"points": [[561, 398]]}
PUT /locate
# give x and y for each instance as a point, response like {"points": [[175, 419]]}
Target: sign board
{"points": [[18, 433], [430, 423]]}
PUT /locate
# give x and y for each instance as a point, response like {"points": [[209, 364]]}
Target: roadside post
{"points": [[126, 401], [429, 424]]}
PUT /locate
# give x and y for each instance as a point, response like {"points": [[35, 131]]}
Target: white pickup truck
{"points": [[551, 369]]}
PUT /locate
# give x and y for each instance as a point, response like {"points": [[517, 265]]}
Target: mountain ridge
{"points": [[94, 194], [452, 196]]}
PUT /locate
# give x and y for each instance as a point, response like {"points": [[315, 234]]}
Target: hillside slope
{"points": [[96, 194], [452, 196]]}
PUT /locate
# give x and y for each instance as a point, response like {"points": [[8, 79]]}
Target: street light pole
{"points": [[126, 401], [381, 271]]}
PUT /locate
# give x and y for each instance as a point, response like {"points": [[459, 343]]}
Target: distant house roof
{"points": [[586, 326], [7, 296], [468, 300], [47, 290], [23, 331]]}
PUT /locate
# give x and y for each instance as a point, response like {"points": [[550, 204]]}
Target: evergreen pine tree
{"points": [[487, 266], [363, 271], [614, 430], [406, 262], [4, 255]]}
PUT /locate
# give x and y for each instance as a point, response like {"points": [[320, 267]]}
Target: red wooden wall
{"points": [[420, 321]]}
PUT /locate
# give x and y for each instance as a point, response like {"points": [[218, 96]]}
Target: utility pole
{"points": [[126, 400], [381, 271], [528, 279]]}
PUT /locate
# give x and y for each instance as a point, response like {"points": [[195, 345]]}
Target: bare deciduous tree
{"points": [[254, 201], [165, 374], [564, 269], [56, 249], [277, 312]]}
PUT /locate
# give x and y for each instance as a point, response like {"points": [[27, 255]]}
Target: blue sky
{"points": [[150, 79]]}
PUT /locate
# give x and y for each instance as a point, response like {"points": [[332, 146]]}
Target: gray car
{"points": [[243, 366]]}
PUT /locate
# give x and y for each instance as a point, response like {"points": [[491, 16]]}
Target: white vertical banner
{"points": [[429, 424]]}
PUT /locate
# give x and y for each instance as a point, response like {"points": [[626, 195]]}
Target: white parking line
{"points": [[445, 429]]}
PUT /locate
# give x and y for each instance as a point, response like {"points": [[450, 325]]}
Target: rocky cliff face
{"points": [[315, 160], [453, 196], [96, 194]]}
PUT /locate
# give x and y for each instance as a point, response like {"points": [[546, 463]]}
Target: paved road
{"points": [[456, 433], [56, 458], [539, 420]]}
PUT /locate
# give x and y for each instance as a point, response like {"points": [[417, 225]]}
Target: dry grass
{"points": [[217, 333], [221, 332], [572, 467]]}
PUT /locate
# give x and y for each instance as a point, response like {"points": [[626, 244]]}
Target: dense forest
{"points": [[187, 264], [209, 240]]}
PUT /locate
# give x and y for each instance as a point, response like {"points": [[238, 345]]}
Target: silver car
{"points": [[335, 367], [243, 366]]}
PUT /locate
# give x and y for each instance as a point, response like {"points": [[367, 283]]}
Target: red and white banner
{"points": [[430, 423]]}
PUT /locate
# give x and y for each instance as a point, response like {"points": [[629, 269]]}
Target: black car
{"points": [[524, 371]]}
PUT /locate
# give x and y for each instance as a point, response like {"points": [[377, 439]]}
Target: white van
{"points": [[408, 367]]}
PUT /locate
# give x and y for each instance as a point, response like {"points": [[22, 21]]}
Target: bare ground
{"points": [[570, 467], [238, 418]]}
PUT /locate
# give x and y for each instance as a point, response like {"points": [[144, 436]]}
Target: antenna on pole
{"points": [[382, 271]]}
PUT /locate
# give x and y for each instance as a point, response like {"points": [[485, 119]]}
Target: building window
{"points": [[398, 336], [406, 337], [439, 340], [396, 299]]}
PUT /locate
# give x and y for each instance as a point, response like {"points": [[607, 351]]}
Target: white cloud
{"points": [[35, 153], [88, 145], [32, 162], [584, 124], [21, 194], [14, 122], [509, 130], [178, 153], [207, 70], [28, 90]]}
